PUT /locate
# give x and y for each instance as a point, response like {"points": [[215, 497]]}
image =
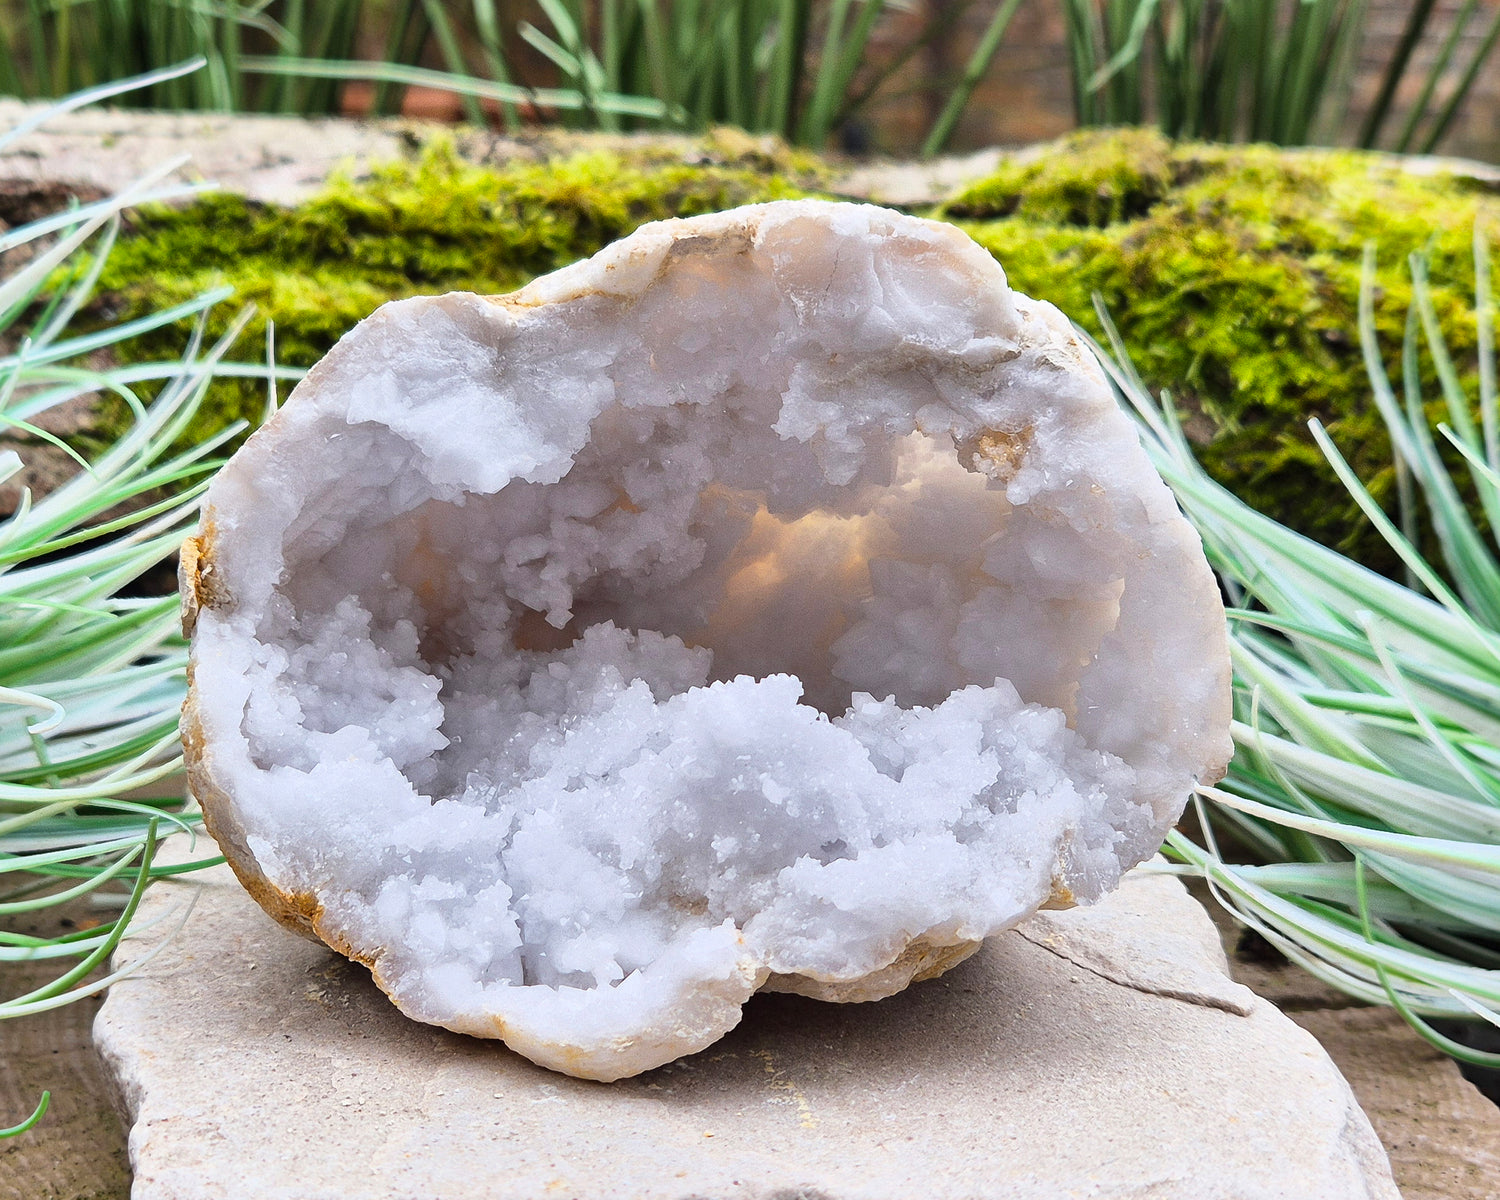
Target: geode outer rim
{"points": [[923, 956]]}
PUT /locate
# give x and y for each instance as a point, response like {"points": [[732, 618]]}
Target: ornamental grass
{"points": [[91, 663], [1365, 787]]}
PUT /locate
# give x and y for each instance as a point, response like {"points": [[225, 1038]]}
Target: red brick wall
{"points": [[1027, 95]]}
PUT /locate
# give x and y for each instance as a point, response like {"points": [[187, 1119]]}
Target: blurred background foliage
{"points": [[899, 75]]}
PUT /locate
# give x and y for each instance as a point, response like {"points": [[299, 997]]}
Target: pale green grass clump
{"points": [[1367, 711], [91, 677]]}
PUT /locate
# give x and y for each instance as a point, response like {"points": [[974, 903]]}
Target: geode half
{"points": [[774, 600]]}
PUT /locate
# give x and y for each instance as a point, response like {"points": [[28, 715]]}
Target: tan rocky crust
{"points": [[274, 743], [196, 585]]}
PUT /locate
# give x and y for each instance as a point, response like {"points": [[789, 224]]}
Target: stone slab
{"points": [[1056, 1063], [97, 151]]}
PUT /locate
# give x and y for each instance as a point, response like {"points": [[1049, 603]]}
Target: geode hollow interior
{"points": [[773, 600]]}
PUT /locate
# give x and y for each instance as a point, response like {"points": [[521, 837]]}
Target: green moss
{"points": [[1232, 272], [1233, 275], [1086, 181], [431, 225]]}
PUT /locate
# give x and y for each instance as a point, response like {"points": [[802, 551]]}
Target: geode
{"points": [[774, 600]]}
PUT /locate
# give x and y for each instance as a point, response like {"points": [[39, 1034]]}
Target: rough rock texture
{"points": [[1442, 1136], [97, 151], [775, 599], [284, 160], [260, 1067]]}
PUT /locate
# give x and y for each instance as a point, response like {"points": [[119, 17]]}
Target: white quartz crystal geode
{"points": [[774, 600]]}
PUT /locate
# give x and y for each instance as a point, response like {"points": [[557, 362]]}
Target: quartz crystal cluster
{"points": [[773, 600]]}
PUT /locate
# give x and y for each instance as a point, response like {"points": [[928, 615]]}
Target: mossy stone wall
{"points": [[1233, 276], [1232, 273]]}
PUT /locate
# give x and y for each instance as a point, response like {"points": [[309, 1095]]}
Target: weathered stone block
{"points": [[257, 1065]]}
